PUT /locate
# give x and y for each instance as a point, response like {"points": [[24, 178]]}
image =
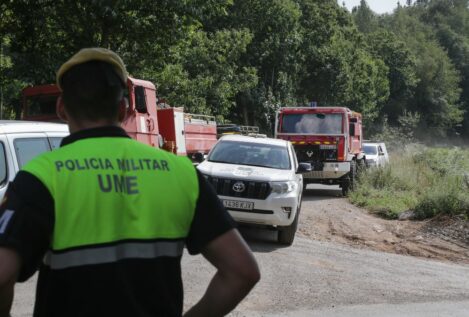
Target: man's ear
{"points": [[123, 107], [60, 109]]}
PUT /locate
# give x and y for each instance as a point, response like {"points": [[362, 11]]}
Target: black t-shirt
{"points": [[129, 287]]}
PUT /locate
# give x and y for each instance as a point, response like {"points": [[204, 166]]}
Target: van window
{"points": [[55, 142], [27, 149], [3, 165]]}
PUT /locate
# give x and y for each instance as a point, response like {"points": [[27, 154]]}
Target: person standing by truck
{"points": [[106, 218]]}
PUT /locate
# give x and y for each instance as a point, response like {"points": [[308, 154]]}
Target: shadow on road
{"points": [[316, 192], [260, 239], [264, 240]]}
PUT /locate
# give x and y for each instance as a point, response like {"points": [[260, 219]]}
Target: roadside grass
{"points": [[426, 181]]}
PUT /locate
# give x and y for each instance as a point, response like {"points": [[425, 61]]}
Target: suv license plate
{"points": [[246, 205]]}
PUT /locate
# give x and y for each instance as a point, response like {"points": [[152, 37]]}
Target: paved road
{"points": [[321, 278], [324, 279], [314, 278], [439, 309]]}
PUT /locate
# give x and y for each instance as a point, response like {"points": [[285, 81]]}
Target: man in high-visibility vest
{"points": [[108, 239]]}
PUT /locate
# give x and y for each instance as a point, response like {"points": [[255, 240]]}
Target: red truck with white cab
{"points": [[330, 138], [148, 120]]}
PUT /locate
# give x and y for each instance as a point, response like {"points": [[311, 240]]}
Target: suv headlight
{"points": [[283, 187], [205, 175]]}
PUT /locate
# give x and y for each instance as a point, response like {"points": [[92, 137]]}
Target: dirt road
{"points": [[336, 267]]}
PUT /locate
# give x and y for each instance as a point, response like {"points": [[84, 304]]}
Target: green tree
{"points": [[273, 52], [437, 94], [450, 21], [159, 40], [205, 75], [402, 77], [338, 70], [44, 33], [365, 19], [9, 87]]}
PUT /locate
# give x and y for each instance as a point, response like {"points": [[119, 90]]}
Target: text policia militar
{"points": [[109, 182]]}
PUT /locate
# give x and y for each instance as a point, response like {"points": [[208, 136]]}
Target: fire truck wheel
{"points": [[350, 181], [353, 174], [286, 234], [345, 188], [361, 166]]}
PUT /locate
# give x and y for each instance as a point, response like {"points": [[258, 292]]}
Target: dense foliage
{"points": [[243, 59], [426, 181]]}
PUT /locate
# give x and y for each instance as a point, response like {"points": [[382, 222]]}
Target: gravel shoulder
{"points": [[333, 218]]}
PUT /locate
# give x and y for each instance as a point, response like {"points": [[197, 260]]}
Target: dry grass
{"points": [[428, 181]]}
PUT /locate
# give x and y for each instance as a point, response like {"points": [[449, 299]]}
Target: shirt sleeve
{"points": [[26, 221], [210, 219]]}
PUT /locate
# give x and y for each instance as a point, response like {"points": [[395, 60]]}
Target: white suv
{"points": [[20, 141], [258, 180], [376, 154]]}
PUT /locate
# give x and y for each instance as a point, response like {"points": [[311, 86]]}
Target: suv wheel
{"points": [[286, 234]]}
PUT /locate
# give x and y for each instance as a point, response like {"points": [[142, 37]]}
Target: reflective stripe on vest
{"points": [[112, 189], [114, 253]]}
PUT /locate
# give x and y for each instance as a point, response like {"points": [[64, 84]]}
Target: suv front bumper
{"points": [[275, 210]]}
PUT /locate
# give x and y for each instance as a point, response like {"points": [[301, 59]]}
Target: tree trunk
{"points": [[245, 114]]}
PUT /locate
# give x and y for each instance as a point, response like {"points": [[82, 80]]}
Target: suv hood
{"points": [[244, 172]]}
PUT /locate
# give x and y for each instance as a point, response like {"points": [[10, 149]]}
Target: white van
{"points": [[376, 154], [20, 141]]}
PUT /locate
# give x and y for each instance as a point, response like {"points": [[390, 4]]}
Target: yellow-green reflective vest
{"points": [[112, 190]]}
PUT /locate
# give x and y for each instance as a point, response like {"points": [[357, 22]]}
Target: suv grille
{"points": [[252, 189]]}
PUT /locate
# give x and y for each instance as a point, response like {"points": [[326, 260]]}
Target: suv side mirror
{"points": [[304, 168], [198, 157]]}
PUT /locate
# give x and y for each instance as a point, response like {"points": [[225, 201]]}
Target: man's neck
{"points": [[76, 126]]}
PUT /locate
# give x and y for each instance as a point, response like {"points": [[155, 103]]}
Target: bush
{"points": [[433, 204], [428, 181]]}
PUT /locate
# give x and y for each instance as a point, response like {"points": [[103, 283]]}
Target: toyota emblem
{"points": [[309, 153], [239, 187]]}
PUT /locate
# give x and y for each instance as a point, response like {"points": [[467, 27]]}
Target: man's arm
{"points": [[27, 217], [237, 273], [9, 269]]}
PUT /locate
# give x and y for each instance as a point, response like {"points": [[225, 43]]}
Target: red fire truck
{"points": [[148, 120], [330, 138]]}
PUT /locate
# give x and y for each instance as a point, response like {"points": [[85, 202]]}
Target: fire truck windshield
{"points": [[312, 123], [39, 105]]}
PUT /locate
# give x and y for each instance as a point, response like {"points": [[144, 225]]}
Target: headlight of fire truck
{"points": [[283, 187]]}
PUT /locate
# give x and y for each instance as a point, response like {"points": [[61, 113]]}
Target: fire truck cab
{"points": [[148, 120], [330, 138]]}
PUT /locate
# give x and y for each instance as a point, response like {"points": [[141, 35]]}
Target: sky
{"points": [[378, 6]]}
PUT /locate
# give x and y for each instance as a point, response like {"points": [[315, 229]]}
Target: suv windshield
{"points": [[312, 123], [247, 153]]}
